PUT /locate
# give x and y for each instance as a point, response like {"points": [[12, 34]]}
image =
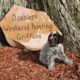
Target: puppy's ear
{"points": [[60, 37], [50, 35]]}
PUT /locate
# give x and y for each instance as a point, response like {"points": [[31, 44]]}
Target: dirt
{"points": [[18, 65]]}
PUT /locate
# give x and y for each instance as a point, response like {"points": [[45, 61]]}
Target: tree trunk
{"points": [[65, 19], [65, 14]]}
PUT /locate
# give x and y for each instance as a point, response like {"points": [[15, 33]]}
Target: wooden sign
{"points": [[27, 27]]}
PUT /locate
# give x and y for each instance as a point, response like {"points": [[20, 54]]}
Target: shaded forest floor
{"points": [[17, 65]]}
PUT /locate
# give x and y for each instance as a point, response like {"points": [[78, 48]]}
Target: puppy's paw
{"points": [[51, 67], [68, 62]]}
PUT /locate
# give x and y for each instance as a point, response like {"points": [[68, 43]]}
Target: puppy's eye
{"points": [[54, 37]]}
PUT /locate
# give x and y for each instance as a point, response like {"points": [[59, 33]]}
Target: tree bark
{"points": [[65, 14], [65, 20]]}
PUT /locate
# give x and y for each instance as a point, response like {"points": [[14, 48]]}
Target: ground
{"points": [[18, 65]]}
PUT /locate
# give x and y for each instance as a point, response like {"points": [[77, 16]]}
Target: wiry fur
{"points": [[51, 50]]}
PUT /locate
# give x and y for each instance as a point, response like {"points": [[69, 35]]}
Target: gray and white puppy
{"points": [[52, 50]]}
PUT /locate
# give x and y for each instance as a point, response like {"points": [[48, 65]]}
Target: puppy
{"points": [[52, 50]]}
